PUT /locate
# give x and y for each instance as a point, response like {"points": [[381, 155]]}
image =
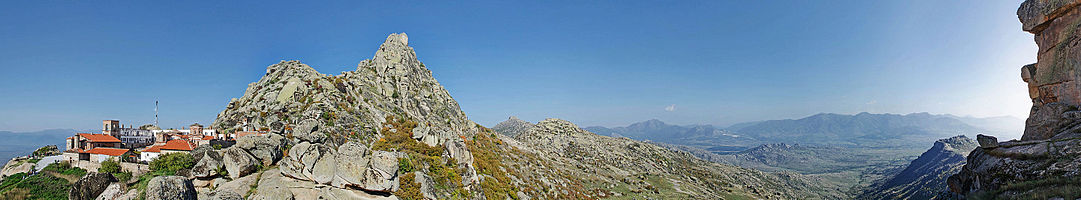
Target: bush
{"points": [[122, 176], [410, 189], [170, 163], [65, 168], [109, 166]]}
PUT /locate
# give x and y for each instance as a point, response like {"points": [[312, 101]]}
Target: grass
{"points": [[1064, 187], [39, 186]]}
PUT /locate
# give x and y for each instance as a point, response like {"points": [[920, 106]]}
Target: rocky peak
{"points": [[512, 127], [554, 126]]}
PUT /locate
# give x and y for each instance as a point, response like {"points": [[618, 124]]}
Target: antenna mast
{"points": [[155, 112]]}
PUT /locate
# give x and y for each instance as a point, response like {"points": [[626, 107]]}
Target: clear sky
{"points": [[71, 64]]}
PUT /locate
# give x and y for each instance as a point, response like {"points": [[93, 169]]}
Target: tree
{"points": [[170, 163], [109, 166]]}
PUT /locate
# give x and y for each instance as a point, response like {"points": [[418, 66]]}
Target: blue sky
{"points": [[71, 64]]}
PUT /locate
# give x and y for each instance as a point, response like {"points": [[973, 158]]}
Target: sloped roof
{"points": [[155, 149], [108, 151], [99, 137], [208, 137], [180, 145]]}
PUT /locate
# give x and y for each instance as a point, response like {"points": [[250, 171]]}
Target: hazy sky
{"points": [[71, 64]]}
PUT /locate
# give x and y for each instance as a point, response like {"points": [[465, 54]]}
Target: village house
{"points": [[89, 146], [172, 146]]}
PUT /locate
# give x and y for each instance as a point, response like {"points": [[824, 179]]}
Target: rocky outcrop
{"points": [[512, 127], [90, 186], [171, 188], [1044, 163], [925, 177], [267, 148], [208, 161], [113, 191], [238, 162], [16, 166], [322, 127], [351, 166]]}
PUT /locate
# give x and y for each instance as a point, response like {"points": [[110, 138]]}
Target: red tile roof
{"points": [[98, 137], [107, 151], [208, 137], [155, 148], [181, 145]]}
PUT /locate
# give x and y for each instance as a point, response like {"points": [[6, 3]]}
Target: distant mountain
{"points": [[17, 144], [862, 129], [1003, 127], [656, 130], [925, 177]]}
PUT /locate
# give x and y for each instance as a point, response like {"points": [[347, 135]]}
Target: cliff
{"points": [[925, 177], [1044, 163]]}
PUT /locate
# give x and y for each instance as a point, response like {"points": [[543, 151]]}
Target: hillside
{"points": [[630, 166], [389, 129], [925, 177]]}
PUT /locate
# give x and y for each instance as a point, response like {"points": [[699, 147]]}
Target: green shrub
{"points": [[170, 163], [65, 168], [404, 165], [410, 189], [122, 176], [109, 166]]}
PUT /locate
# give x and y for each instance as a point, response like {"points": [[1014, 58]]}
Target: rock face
{"points": [[15, 167], [170, 187], [90, 186], [1044, 164], [925, 177], [512, 127]]}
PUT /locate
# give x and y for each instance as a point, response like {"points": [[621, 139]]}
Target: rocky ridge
{"points": [[1044, 163], [633, 169], [925, 177]]}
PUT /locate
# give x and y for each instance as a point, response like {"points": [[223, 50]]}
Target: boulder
{"points": [[90, 186], [239, 186], [267, 148], [131, 194], [201, 151], [382, 173], [308, 130], [170, 187], [987, 141], [271, 187], [426, 185], [352, 164], [223, 195], [208, 163], [238, 162], [113, 191], [311, 162]]}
